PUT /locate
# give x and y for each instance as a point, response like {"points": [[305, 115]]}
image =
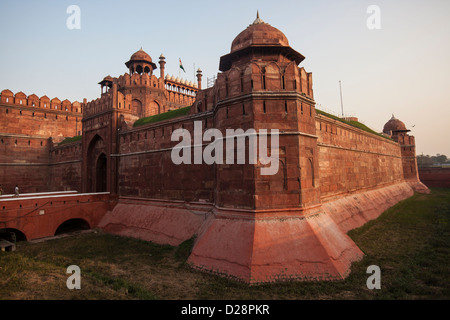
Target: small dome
{"points": [[259, 33], [394, 125], [261, 36], [140, 55]]}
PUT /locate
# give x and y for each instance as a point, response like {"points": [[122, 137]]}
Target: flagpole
{"points": [[342, 104]]}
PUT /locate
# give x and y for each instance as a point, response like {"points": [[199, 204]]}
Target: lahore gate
{"points": [[108, 163]]}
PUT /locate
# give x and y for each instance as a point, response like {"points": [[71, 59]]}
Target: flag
{"points": [[181, 65]]}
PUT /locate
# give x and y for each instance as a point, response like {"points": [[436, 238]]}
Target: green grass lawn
{"points": [[70, 140], [163, 116], [409, 242], [353, 123]]}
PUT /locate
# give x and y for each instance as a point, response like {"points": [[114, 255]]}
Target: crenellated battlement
{"points": [[20, 99], [138, 80], [98, 105]]}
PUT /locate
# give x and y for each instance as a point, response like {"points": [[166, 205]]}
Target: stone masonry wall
{"points": [[65, 167], [28, 128], [147, 171], [351, 159]]}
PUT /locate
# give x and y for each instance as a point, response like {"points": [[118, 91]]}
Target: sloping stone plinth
{"points": [[307, 245], [260, 246], [163, 223]]}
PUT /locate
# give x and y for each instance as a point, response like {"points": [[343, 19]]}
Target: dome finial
{"points": [[258, 20]]}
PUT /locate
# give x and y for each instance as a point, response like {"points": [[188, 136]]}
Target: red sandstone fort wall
{"points": [[24, 161], [351, 159], [147, 171], [65, 167], [28, 127], [39, 117]]}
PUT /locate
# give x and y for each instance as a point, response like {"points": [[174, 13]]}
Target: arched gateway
{"points": [[97, 165]]}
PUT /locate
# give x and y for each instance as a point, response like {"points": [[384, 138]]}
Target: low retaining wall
{"points": [[435, 177], [40, 215]]}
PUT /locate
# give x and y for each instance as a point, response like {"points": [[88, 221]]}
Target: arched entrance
{"points": [[97, 164], [72, 225], [12, 235], [100, 173]]}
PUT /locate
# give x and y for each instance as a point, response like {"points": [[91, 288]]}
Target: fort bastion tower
{"points": [[262, 87]]}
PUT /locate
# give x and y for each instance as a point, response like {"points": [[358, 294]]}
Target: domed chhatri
{"points": [[140, 62], [140, 55], [394, 125], [259, 33], [256, 37]]}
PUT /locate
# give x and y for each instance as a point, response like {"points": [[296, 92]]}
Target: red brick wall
{"points": [[39, 122], [24, 161], [352, 159], [65, 167], [146, 169], [435, 177], [26, 127]]}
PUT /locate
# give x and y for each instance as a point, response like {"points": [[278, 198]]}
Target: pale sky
{"points": [[401, 69]]}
